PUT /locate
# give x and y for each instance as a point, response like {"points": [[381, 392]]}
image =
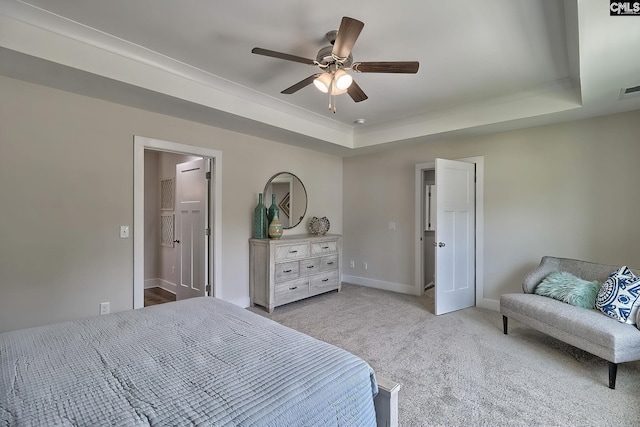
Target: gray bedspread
{"points": [[195, 362]]}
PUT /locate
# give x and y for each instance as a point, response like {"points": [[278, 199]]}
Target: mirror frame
{"points": [[267, 201]]}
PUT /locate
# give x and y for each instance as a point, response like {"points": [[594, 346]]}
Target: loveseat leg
{"points": [[505, 320], [613, 370]]}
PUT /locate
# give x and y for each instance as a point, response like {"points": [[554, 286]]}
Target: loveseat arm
{"points": [[534, 277]]}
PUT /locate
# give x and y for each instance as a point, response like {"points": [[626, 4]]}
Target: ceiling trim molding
{"points": [[553, 97], [123, 72], [38, 33]]}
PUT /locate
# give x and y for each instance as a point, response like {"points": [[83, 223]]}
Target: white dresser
{"points": [[292, 268]]}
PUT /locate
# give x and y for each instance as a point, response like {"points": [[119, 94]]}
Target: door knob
{"points": [[176, 241], [440, 244]]}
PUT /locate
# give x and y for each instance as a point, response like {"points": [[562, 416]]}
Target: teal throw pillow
{"points": [[568, 288]]}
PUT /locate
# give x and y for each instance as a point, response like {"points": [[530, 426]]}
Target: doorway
{"points": [[425, 235], [213, 207], [176, 223]]}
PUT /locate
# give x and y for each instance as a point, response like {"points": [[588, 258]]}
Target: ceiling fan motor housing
{"points": [[325, 57]]}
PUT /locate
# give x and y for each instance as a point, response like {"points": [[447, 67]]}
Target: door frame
{"points": [[479, 250], [140, 144]]}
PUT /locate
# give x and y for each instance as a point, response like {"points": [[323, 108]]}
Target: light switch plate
{"points": [[124, 231]]}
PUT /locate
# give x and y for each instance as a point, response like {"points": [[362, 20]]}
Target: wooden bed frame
{"points": [[386, 402]]}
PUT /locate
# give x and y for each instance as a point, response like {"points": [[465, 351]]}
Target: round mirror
{"points": [[290, 198]]}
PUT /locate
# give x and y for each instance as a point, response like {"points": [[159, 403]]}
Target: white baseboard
{"points": [[160, 283], [151, 283], [487, 304], [380, 284]]}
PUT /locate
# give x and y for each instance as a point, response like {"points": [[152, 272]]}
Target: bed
{"points": [[201, 361]]}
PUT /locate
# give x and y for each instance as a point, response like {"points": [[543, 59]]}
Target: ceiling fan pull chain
{"points": [[331, 97], [331, 92]]}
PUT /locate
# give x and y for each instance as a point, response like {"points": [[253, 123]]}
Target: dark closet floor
{"points": [[153, 296]]}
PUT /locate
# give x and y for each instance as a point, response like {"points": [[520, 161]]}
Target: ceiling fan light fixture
{"points": [[323, 82], [343, 80], [340, 81]]}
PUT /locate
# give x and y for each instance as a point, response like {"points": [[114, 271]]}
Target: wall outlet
{"points": [[105, 308], [364, 265], [352, 264]]}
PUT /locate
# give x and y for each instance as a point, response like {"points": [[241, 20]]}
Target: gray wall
{"points": [[568, 190], [66, 185]]}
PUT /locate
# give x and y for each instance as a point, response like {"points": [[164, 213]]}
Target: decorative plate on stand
{"points": [[319, 226]]}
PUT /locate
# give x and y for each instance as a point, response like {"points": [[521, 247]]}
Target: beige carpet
{"points": [[459, 369]]}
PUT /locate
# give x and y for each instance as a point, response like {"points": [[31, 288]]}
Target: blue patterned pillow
{"points": [[619, 296]]}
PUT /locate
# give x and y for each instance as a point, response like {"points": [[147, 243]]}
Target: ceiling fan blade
{"points": [[347, 35], [303, 83], [408, 67], [356, 93], [280, 55]]}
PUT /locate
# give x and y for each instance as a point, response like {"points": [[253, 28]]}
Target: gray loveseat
{"points": [[589, 330]]}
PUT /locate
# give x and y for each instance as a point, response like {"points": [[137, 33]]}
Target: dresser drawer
{"points": [[324, 248], [327, 263], [309, 266], [291, 291], [328, 280], [287, 271], [291, 252]]}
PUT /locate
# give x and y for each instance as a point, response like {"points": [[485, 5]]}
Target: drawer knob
{"points": [[310, 266], [293, 252], [294, 288], [330, 263], [325, 247], [287, 271], [325, 280]]}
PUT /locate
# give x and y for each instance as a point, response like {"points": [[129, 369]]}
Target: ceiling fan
{"points": [[335, 60]]}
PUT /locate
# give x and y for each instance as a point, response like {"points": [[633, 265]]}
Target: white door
{"points": [[455, 236], [191, 229]]}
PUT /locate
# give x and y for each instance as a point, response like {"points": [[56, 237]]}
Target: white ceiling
{"points": [[484, 66]]}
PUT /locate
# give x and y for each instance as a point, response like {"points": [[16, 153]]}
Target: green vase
{"points": [[275, 228], [273, 209], [260, 223]]}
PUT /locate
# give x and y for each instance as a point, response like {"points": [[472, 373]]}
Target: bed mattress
{"points": [[201, 361]]}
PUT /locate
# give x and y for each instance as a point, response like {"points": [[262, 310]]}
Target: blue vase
{"points": [[260, 223], [273, 211]]}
